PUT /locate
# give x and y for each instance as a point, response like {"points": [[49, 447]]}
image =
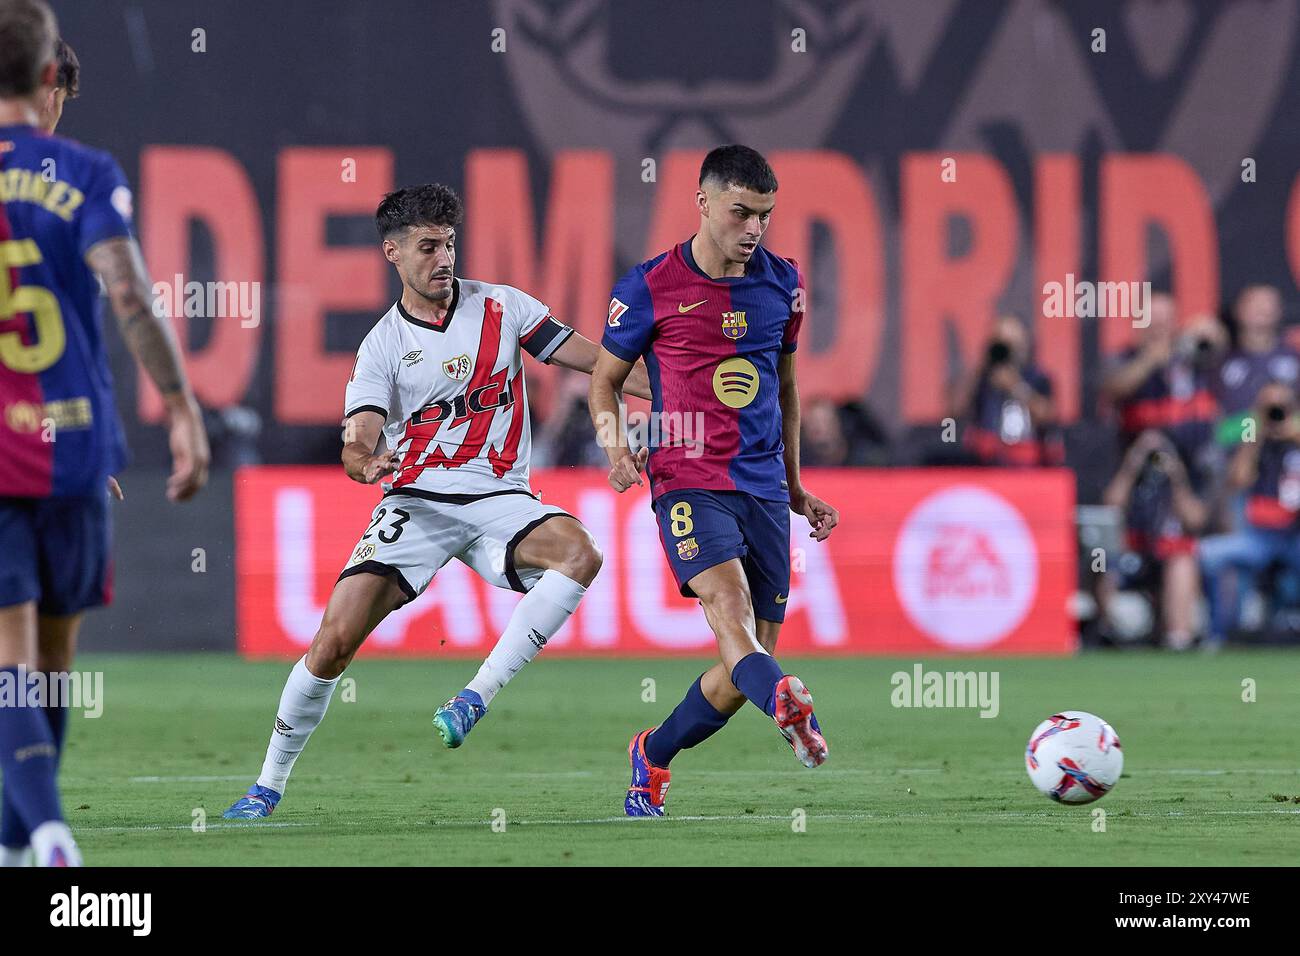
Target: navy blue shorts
{"points": [[55, 551], [700, 529]]}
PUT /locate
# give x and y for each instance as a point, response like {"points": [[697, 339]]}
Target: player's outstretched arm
{"points": [[579, 353], [120, 266], [361, 435], [607, 380], [820, 515]]}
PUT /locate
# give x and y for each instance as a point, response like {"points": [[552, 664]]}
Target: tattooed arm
{"points": [[120, 266]]}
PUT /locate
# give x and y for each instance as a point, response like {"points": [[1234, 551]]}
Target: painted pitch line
{"points": [[544, 774], [185, 826], [880, 817], [189, 779], [827, 772], [993, 815]]}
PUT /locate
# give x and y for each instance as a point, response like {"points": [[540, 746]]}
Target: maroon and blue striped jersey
{"points": [[711, 347], [60, 432]]}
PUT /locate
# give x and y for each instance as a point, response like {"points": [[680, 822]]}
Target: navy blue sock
{"points": [[57, 718], [756, 676], [12, 831], [692, 721], [28, 760]]}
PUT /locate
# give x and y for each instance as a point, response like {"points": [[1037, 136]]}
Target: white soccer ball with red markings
{"points": [[1074, 757]]}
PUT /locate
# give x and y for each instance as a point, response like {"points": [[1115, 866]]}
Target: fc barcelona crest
{"points": [[687, 548], [733, 324]]}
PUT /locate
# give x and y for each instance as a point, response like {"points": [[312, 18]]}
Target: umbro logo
{"points": [[412, 358], [282, 728], [537, 637]]}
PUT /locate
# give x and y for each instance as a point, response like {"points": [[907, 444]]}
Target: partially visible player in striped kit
{"points": [[65, 227]]}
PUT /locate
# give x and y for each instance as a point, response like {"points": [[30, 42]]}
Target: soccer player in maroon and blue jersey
{"points": [[65, 227], [717, 319]]}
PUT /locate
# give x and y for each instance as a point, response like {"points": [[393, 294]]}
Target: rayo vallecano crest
{"points": [[457, 368]]}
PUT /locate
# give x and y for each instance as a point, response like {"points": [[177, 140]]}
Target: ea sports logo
{"points": [[735, 382], [965, 567]]}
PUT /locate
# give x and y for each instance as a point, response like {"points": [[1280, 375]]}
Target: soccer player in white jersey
{"points": [[436, 409]]}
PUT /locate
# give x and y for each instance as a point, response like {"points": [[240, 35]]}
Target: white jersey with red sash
{"points": [[452, 394]]}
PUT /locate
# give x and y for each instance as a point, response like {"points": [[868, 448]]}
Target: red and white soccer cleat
{"points": [[794, 718]]}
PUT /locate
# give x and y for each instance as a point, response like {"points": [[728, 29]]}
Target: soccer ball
{"points": [[1074, 757]]}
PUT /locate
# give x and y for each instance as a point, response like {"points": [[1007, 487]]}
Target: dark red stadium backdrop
{"points": [[1168, 155], [572, 268], [924, 562]]}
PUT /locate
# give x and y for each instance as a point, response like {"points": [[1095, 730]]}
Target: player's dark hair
{"points": [[431, 204], [69, 69], [28, 32], [738, 166]]}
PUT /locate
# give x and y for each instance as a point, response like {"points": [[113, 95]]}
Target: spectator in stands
{"points": [[1259, 355], [822, 441], [1161, 390], [869, 441], [1165, 382], [1006, 403], [565, 437], [1162, 517], [1266, 465]]}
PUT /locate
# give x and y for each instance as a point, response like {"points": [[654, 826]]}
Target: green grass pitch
{"points": [[1204, 777]]}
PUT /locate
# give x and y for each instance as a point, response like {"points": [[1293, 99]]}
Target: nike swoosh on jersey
{"points": [[687, 308]]}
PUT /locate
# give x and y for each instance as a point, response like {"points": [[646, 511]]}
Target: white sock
{"points": [[302, 707], [14, 855], [537, 617], [54, 834]]}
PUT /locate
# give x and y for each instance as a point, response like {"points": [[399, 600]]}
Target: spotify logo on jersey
{"points": [[735, 382]]}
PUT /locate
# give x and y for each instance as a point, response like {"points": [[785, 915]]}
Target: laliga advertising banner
{"points": [[924, 561]]}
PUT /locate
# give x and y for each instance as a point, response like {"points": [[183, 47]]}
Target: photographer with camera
{"points": [[1160, 389], [1162, 517], [1266, 466], [1166, 380], [1007, 404]]}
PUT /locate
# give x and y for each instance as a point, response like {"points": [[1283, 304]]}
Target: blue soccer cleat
{"points": [[259, 802], [649, 789], [456, 718]]}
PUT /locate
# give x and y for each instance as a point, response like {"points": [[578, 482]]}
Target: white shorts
{"points": [[410, 538]]}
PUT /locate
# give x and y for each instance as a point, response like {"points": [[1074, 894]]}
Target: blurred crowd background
{"points": [[1193, 539], [938, 162]]}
